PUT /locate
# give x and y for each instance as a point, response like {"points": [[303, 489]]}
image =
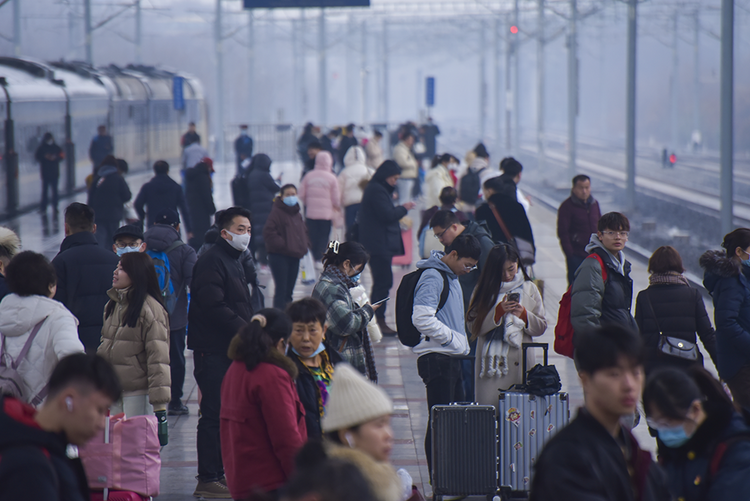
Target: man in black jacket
{"points": [[107, 195], [161, 192], [49, 155], [84, 273], [219, 308], [34, 464], [594, 457], [164, 236]]}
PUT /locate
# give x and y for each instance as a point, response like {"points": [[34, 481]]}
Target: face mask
{"points": [[125, 250], [291, 201], [673, 437], [355, 278], [239, 242], [317, 352]]}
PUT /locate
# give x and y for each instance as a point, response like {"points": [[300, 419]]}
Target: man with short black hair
{"points": [[190, 137], [347, 141], [595, 457], [443, 330], [164, 236], [161, 192], [313, 148], [84, 273], [101, 146], [577, 219], [243, 147], [219, 308], [34, 461]]}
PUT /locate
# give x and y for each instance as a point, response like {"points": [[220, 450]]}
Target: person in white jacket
{"points": [[438, 177], [352, 181], [32, 283]]}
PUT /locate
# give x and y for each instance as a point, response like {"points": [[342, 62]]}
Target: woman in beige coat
{"points": [[506, 311], [135, 337]]}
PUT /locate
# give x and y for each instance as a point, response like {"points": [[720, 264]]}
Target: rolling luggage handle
{"points": [[525, 347]]}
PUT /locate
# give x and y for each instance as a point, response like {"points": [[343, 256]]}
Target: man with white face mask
{"points": [[219, 308], [128, 238]]}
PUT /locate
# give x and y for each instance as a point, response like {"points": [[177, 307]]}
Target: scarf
{"points": [[336, 272], [668, 278], [493, 361]]}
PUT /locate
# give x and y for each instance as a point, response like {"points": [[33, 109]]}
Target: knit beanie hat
{"points": [[353, 400]]}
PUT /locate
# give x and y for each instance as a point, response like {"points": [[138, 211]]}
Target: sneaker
{"points": [[178, 409], [212, 490]]}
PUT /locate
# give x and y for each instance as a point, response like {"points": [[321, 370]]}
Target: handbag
{"points": [[307, 263], [525, 249], [673, 346]]}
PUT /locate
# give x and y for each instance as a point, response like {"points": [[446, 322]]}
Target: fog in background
{"points": [[422, 41]]}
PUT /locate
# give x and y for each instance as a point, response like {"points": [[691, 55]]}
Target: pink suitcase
{"points": [[405, 260], [125, 456]]}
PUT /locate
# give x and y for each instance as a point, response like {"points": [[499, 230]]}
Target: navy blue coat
{"points": [[728, 283], [108, 193], [378, 218], [688, 467], [161, 192], [84, 275], [261, 189]]}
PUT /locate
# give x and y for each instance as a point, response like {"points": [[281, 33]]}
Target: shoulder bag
{"points": [[673, 346], [525, 248]]}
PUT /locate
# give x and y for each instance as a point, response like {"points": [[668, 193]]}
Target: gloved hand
{"points": [[163, 430]]}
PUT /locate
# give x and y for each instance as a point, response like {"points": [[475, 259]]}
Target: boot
{"points": [[384, 329]]}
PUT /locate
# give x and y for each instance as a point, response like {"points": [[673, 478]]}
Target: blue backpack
{"points": [[163, 273]]}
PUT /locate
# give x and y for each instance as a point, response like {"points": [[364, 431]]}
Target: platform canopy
{"points": [[303, 4]]}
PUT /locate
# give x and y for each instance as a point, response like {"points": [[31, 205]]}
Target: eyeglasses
{"points": [[470, 268], [623, 234], [440, 235]]}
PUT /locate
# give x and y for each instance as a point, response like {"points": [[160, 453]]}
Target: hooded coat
{"points": [[378, 219], [354, 177], [261, 189], [285, 232], [728, 282], [34, 464], [84, 275], [140, 354], [405, 159], [319, 190], [382, 477], [108, 194], [435, 180], [513, 215], [57, 337], [200, 200], [262, 423]]}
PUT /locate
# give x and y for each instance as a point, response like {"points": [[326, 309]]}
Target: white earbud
{"points": [[69, 404], [349, 439]]}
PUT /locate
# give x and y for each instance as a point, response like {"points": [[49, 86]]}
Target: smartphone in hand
{"points": [[380, 302]]}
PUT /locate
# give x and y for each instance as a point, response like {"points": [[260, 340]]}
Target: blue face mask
{"points": [[125, 250], [355, 278], [673, 437], [317, 352], [746, 262], [291, 201]]}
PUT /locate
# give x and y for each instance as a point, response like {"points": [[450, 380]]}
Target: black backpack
{"points": [[407, 333], [470, 186]]}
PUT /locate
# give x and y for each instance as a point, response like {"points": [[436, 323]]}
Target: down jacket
{"points": [[728, 282], [261, 190], [576, 221], [285, 232], [319, 190], [378, 219], [140, 354], [435, 180], [354, 177], [405, 159], [57, 338]]}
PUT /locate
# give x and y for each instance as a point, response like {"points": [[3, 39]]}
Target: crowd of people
{"points": [[291, 392]]}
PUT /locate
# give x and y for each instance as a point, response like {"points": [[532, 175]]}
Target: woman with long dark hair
{"points": [[703, 440], [262, 418], [135, 337], [347, 323], [506, 310]]}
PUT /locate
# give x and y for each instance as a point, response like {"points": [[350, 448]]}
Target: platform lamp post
{"points": [[630, 106], [726, 126]]}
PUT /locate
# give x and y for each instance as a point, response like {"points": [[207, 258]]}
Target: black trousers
{"points": [[444, 383], [319, 230], [350, 215], [177, 363], [382, 280], [573, 263], [284, 270], [51, 183], [209, 373]]}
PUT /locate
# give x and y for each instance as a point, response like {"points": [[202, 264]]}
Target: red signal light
{"points": [[514, 29]]}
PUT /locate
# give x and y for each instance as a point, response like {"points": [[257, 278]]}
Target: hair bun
{"points": [[260, 319]]}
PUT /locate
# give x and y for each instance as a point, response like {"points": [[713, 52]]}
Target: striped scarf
{"points": [[668, 278]]}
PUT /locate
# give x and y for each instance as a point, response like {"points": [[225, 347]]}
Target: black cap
{"points": [[130, 230], [167, 216]]}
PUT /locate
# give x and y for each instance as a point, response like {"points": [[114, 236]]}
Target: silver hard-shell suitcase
{"points": [[526, 423]]}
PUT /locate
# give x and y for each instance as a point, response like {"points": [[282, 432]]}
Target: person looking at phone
{"points": [[505, 312], [347, 323]]}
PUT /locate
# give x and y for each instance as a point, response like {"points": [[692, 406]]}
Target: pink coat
{"points": [[319, 191]]}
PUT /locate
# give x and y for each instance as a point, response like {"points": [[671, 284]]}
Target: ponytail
{"points": [[338, 252], [255, 340]]}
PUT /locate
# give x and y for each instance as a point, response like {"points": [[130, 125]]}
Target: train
{"points": [[145, 109]]}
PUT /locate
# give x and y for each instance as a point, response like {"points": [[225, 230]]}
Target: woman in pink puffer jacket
{"points": [[319, 193]]}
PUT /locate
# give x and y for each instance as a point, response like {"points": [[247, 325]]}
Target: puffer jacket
{"points": [[380, 232], [434, 181], [319, 190], [353, 178], [576, 221], [728, 282], [285, 232], [594, 302], [57, 337], [140, 354], [261, 190], [405, 159]]}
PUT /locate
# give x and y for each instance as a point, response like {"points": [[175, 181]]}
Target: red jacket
{"points": [[576, 221], [262, 425]]}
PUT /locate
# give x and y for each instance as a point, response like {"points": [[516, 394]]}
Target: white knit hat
{"points": [[353, 400]]}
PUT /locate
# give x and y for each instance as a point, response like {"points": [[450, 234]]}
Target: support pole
{"points": [[385, 71], [540, 41], [726, 117], [138, 32], [630, 106], [696, 72], [252, 111], [482, 81], [572, 89], [363, 73], [675, 91], [296, 82], [516, 84], [497, 80], [508, 93], [322, 70], [87, 27], [17, 28], [350, 86], [219, 50], [303, 67]]}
